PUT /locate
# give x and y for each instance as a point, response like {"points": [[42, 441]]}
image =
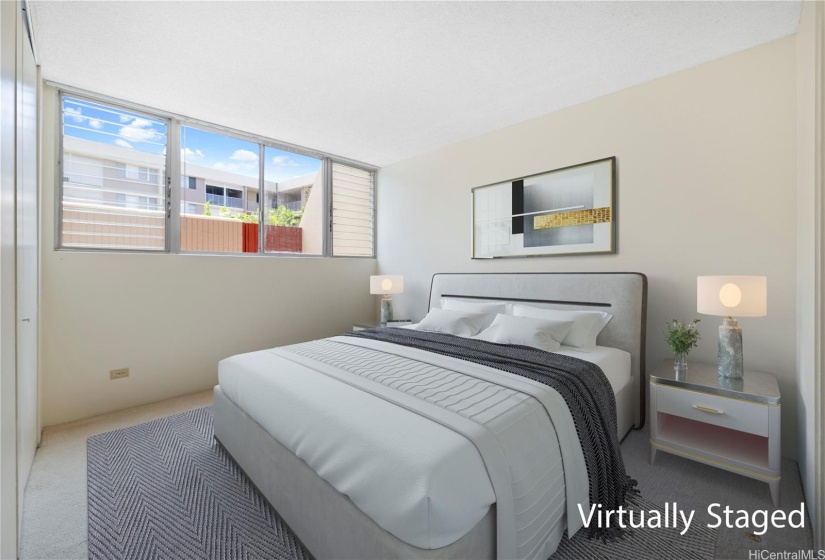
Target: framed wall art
{"points": [[568, 211]]}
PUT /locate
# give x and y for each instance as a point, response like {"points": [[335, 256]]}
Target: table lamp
{"points": [[743, 296], [386, 285]]}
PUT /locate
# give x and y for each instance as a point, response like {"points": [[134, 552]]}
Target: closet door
{"points": [[27, 260], [8, 324]]}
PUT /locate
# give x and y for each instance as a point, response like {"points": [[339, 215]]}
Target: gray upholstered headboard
{"points": [[622, 294]]}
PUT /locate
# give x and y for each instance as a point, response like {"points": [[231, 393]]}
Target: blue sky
{"points": [[91, 121], [84, 119]]}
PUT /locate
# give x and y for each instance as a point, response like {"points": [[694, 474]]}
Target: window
{"points": [[113, 196], [293, 203], [352, 211], [225, 217], [234, 192]]}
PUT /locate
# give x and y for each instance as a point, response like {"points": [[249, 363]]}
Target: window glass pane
{"points": [[219, 208], [293, 203], [114, 169], [352, 211]]}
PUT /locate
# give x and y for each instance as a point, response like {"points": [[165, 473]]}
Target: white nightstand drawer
{"points": [[730, 413]]}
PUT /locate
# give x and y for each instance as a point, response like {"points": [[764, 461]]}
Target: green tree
{"points": [[282, 216]]}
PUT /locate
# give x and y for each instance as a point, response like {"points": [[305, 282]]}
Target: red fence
{"points": [[280, 239]]}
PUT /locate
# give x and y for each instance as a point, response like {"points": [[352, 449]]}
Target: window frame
{"points": [[173, 176], [60, 177]]}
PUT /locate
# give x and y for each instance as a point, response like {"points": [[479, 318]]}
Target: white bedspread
{"points": [[418, 479]]}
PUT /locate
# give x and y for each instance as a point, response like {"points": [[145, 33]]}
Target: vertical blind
{"points": [[352, 211]]}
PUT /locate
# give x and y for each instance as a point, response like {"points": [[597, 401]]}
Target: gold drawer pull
{"points": [[707, 409]]}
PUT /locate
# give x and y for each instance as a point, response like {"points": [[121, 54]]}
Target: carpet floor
{"points": [[166, 489], [55, 511]]}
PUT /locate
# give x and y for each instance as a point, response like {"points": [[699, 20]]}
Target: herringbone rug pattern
{"points": [[167, 489]]}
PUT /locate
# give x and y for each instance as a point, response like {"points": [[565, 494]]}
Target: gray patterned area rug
{"points": [[167, 489], [645, 544]]}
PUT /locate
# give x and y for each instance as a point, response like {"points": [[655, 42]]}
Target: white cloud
{"points": [[125, 118], [226, 166], [123, 143], [75, 114], [140, 130], [96, 124], [244, 155], [188, 154], [141, 123], [284, 161]]}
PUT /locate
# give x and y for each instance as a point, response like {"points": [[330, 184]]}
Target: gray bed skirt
{"points": [[327, 522]]}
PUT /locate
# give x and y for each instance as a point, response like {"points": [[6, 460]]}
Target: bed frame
{"points": [[328, 523]]}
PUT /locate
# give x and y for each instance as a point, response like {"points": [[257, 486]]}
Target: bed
{"points": [[357, 471]]}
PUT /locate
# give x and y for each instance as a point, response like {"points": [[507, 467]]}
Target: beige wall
{"points": [[810, 57], [706, 185], [156, 314]]}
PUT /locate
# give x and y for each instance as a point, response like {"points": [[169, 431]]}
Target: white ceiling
{"points": [[381, 82]]}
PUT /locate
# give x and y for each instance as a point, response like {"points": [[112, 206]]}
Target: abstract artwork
{"points": [[561, 212]]}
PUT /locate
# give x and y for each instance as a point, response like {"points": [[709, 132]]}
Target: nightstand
{"points": [[732, 424]]}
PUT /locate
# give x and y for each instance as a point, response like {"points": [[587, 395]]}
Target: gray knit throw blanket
{"points": [[583, 386]]}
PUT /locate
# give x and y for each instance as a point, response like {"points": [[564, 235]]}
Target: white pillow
{"points": [[538, 333], [586, 324], [459, 323], [492, 308]]}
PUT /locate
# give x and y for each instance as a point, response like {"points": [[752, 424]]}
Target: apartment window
{"points": [[293, 203], [234, 192], [214, 194], [188, 208], [112, 196], [352, 211]]}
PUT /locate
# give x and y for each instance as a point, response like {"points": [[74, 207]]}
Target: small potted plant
{"points": [[682, 338]]}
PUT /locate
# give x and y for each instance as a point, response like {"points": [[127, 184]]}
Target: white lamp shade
{"points": [[732, 296], [387, 284]]}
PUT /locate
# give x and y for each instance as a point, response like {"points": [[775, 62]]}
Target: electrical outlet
{"points": [[119, 373]]}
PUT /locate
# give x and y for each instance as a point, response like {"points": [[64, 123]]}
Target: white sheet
{"points": [[615, 363], [417, 479]]}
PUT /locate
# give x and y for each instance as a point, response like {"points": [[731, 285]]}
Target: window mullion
{"points": [[327, 220], [173, 166], [261, 200]]}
